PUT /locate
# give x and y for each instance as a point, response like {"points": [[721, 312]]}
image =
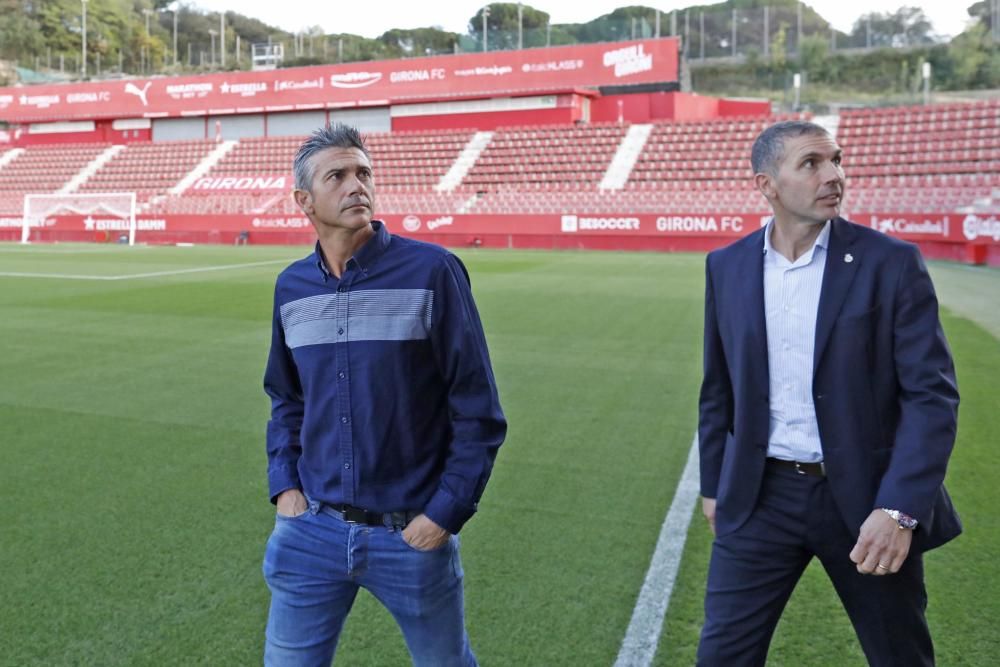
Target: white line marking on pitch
{"points": [[643, 634], [131, 276]]}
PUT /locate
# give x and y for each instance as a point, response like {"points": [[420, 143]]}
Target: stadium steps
{"points": [[463, 163], [9, 156], [625, 157], [203, 167], [91, 168], [467, 205]]}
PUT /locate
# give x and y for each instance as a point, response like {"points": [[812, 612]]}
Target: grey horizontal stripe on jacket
{"points": [[362, 315]]}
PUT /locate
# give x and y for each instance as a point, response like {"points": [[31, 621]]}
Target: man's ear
{"points": [[764, 184], [304, 200]]}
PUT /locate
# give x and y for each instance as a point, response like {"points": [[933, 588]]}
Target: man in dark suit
{"points": [[827, 415]]}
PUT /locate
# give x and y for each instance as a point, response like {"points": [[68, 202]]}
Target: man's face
{"points": [[343, 189], [809, 184]]}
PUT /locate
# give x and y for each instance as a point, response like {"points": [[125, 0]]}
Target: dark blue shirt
{"points": [[382, 393]]}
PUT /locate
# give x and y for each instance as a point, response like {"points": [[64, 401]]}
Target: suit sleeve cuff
{"points": [[447, 512]]}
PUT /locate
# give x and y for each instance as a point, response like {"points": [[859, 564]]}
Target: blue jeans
{"points": [[314, 565]]}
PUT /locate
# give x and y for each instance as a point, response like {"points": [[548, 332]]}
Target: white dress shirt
{"points": [[791, 302]]}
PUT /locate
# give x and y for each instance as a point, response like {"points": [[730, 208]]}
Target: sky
{"points": [[371, 18]]}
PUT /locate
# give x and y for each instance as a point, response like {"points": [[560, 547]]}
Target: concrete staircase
{"points": [[625, 157]]}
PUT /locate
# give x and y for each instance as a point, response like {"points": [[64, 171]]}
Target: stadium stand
{"points": [[148, 169], [935, 158], [939, 158], [409, 167], [41, 170]]}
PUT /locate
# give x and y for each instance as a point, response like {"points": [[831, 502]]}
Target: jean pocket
{"points": [[286, 517], [435, 550]]}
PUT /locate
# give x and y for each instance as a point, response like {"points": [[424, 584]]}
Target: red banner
{"points": [[373, 83], [964, 238], [954, 227], [612, 224], [941, 227]]}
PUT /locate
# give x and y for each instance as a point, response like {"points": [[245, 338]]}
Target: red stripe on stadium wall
{"points": [[934, 227], [524, 72], [955, 237]]}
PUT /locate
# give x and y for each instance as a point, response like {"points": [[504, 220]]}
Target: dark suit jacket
{"points": [[883, 383]]}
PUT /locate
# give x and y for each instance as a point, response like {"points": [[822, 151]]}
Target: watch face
{"points": [[904, 520]]}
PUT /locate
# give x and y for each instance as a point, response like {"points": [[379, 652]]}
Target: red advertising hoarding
{"points": [[960, 228], [530, 71], [958, 237]]}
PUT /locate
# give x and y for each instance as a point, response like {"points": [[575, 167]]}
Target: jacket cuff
{"points": [[282, 478], [444, 510]]}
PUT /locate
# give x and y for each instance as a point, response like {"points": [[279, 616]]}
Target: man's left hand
{"points": [[424, 535], [882, 546]]}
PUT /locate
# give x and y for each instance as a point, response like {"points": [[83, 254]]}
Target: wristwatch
{"points": [[905, 521]]}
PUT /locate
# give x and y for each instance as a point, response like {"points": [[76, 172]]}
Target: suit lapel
{"points": [[751, 271], [842, 260]]}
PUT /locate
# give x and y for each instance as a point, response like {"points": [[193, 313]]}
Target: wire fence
{"points": [[707, 34]]}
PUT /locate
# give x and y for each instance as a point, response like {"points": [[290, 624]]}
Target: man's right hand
{"points": [[292, 502], [708, 509]]}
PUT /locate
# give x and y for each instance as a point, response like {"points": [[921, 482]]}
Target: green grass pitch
{"points": [[132, 467]]}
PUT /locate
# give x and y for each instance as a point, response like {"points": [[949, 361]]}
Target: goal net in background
{"points": [[37, 208]]}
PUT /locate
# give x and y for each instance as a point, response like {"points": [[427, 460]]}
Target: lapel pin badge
{"points": [[848, 258]]}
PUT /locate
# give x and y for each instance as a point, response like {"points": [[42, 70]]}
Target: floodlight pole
{"points": [[211, 59], [83, 48], [520, 26], [798, 28], [767, 29], [486, 13], [175, 37], [222, 40], [926, 71]]}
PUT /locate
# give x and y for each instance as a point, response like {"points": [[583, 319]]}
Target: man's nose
{"points": [[832, 172], [355, 184]]}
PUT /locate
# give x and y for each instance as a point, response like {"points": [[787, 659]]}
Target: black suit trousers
{"points": [[754, 569]]}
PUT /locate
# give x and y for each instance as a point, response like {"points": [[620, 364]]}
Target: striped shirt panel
{"points": [[362, 315]]}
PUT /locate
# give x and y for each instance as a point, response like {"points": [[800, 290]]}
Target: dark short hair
{"points": [[337, 135], [769, 147]]}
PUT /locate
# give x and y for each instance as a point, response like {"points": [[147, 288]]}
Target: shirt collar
{"points": [[822, 241], [374, 247], [366, 255]]}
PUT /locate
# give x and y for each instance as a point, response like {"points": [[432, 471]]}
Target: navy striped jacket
{"points": [[382, 392]]}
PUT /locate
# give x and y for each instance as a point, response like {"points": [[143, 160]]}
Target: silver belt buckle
{"points": [[801, 471]]}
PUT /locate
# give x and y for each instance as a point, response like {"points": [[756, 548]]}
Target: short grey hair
{"points": [[337, 135], [769, 147]]}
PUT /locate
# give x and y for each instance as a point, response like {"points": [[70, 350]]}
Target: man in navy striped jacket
{"points": [[385, 422]]}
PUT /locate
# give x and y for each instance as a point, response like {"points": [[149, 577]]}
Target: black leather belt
{"points": [[352, 514], [814, 469]]}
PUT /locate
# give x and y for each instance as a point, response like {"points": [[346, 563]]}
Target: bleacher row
{"points": [[936, 158]]}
